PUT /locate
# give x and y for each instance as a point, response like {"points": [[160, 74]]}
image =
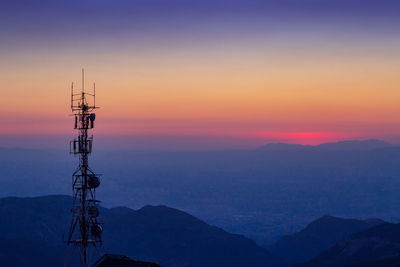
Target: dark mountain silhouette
{"points": [[31, 231], [318, 236], [389, 262], [353, 145], [241, 191], [109, 260], [374, 246], [33, 253]]}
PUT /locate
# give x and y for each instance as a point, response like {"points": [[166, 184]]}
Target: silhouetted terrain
{"points": [[31, 235], [355, 145], [262, 193], [318, 236], [389, 262], [337, 146], [376, 246], [31, 232]]}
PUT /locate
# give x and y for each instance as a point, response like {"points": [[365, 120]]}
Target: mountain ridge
{"points": [[317, 236], [375, 245], [368, 144], [159, 234]]}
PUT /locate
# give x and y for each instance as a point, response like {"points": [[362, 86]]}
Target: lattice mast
{"points": [[85, 230]]}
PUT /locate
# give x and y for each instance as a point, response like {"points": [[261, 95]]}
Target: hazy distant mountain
{"points": [[31, 231], [260, 193], [318, 236], [376, 246], [353, 145]]}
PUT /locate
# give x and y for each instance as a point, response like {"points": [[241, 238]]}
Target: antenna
{"points": [[72, 93], [85, 230], [83, 80]]}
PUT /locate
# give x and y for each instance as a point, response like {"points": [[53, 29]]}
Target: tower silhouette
{"points": [[85, 230]]}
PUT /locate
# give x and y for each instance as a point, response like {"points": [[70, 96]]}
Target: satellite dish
{"points": [[93, 182]]}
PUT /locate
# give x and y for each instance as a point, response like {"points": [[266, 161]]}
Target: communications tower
{"points": [[85, 230]]}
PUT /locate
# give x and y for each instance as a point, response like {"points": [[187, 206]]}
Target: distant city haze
{"points": [[262, 193]]}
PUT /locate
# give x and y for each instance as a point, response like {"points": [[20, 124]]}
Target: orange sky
{"points": [[291, 88]]}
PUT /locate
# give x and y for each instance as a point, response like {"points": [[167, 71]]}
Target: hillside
{"points": [[243, 192], [318, 236], [33, 227], [376, 246]]}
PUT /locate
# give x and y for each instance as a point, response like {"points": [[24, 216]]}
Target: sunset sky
{"points": [[205, 73]]}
